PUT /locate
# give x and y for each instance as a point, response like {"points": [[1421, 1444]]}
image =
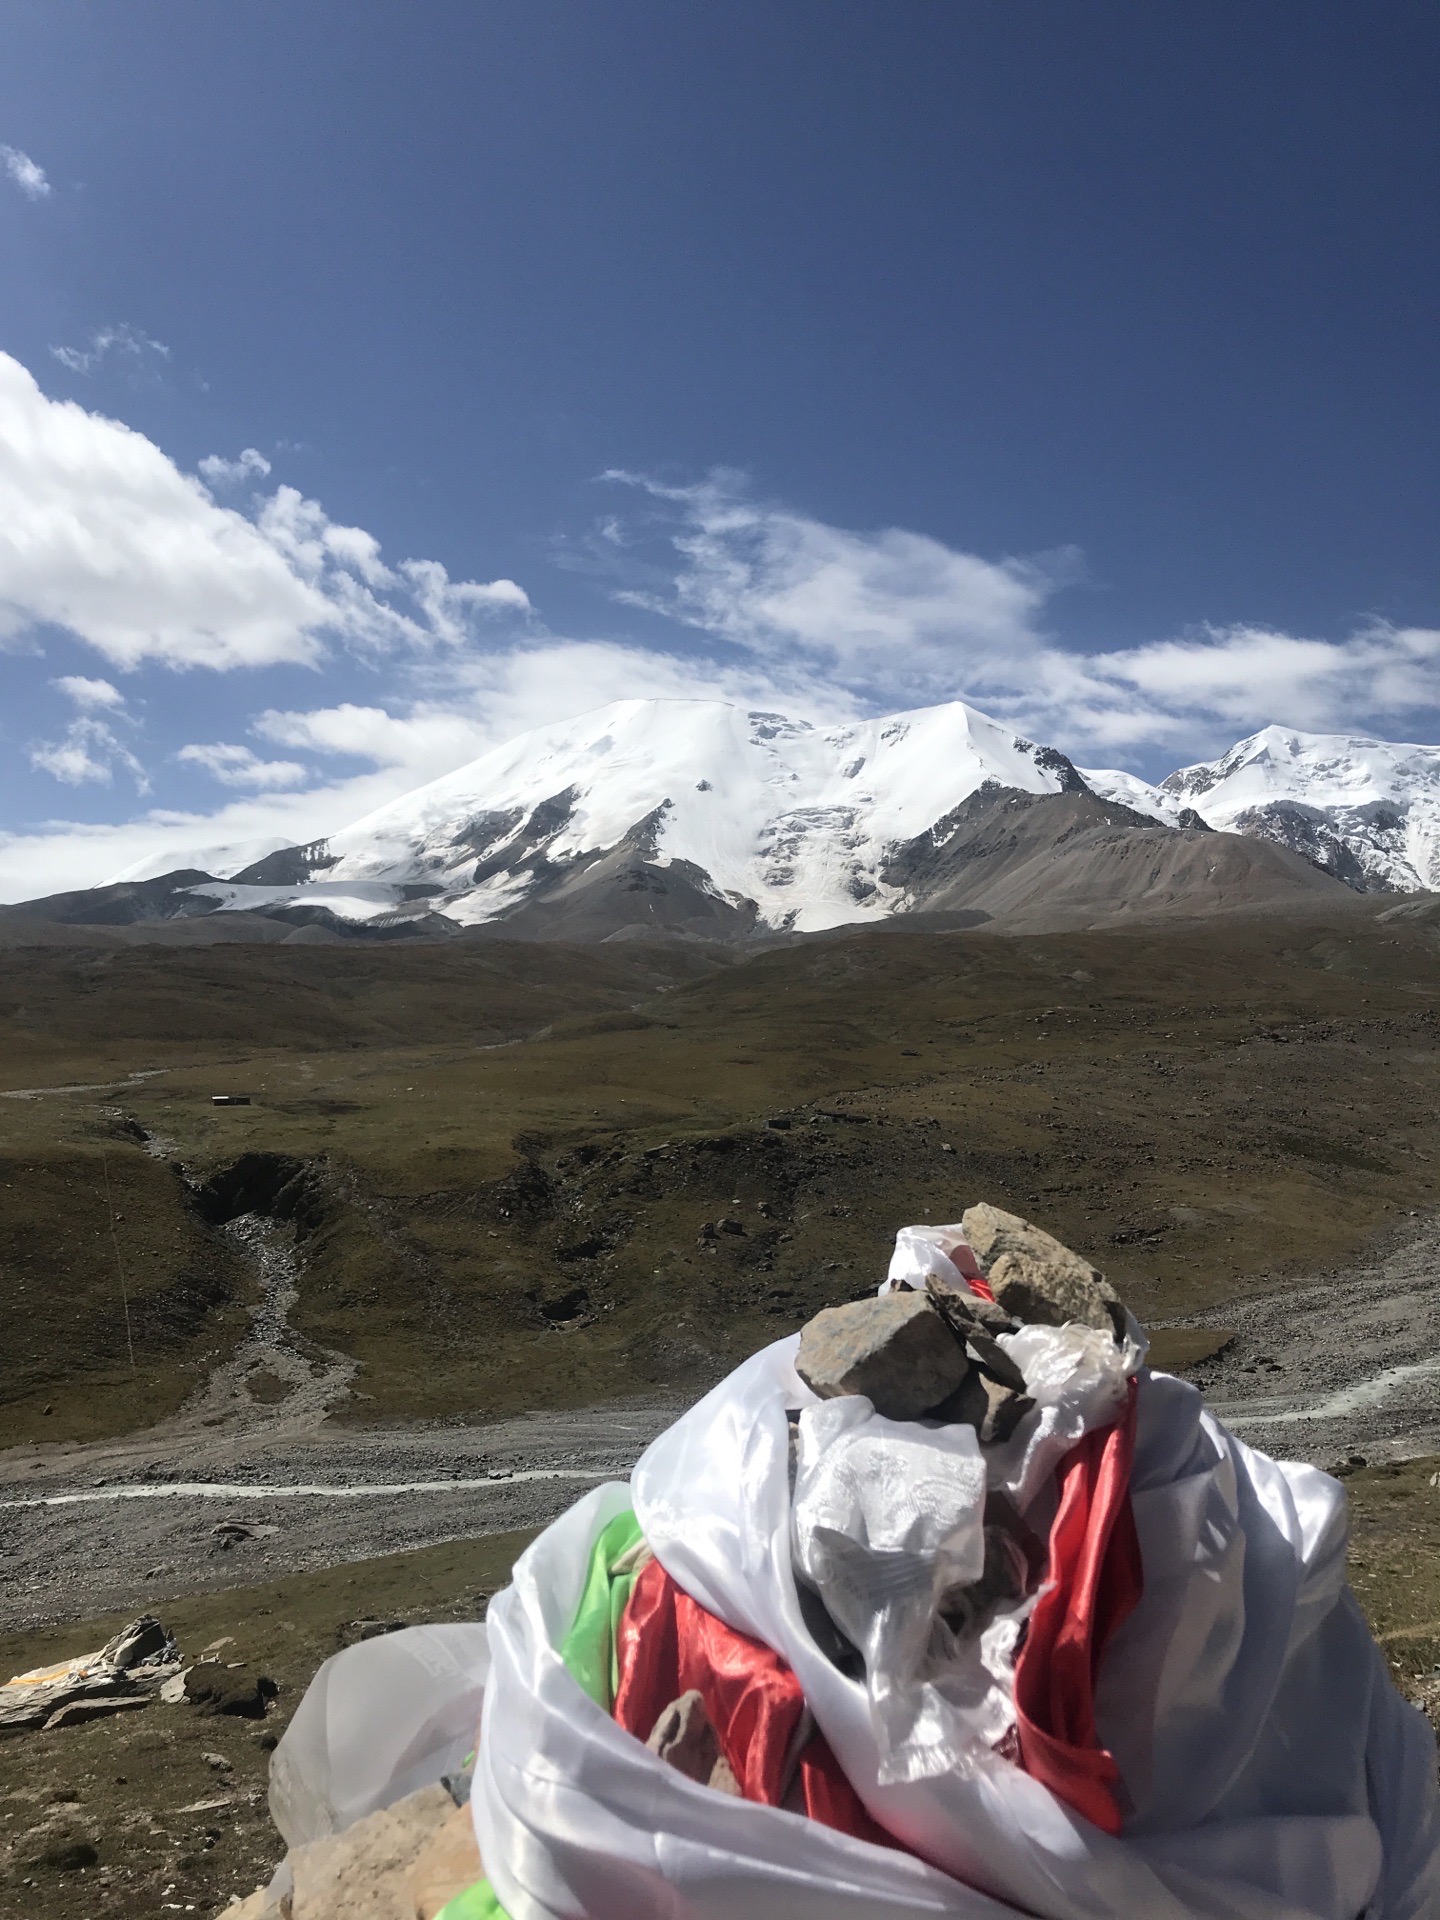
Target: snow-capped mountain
{"points": [[749, 807], [1367, 811], [701, 817]]}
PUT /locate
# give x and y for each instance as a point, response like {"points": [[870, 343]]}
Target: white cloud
{"points": [[447, 603], [59, 854], [344, 564], [89, 694], [892, 618], [123, 342], [433, 738], [103, 535], [29, 177], [251, 465], [237, 766], [89, 751], [878, 610], [1243, 677]]}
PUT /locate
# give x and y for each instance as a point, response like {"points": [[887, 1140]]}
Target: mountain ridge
{"points": [[703, 819]]}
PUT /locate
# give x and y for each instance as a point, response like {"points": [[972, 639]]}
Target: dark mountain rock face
{"points": [[287, 867], [1070, 859], [1315, 837], [125, 904]]}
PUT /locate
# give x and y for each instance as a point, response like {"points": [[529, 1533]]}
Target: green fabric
{"points": [[475, 1903], [588, 1650]]}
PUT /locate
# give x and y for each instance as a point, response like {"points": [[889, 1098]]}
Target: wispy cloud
{"points": [[238, 766], [251, 465], [29, 177], [90, 750], [125, 343], [89, 694], [894, 618], [876, 608], [1241, 677]]}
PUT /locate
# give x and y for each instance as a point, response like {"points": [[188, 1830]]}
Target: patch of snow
{"points": [[230, 856], [1129, 790], [353, 902]]}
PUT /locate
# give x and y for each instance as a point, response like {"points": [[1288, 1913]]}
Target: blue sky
{"points": [[380, 381]]}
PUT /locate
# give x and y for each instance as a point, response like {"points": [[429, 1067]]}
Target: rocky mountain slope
{"points": [[1367, 811]]}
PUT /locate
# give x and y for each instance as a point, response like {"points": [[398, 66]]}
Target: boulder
{"points": [[965, 1311], [1036, 1277], [993, 1409], [449, 1862], [895, 1349]]}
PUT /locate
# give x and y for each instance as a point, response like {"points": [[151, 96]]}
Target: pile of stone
{"points": [[934, 1355], [127, 1672]]}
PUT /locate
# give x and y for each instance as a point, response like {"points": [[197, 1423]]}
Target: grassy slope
{"points": [[515, 1224]]}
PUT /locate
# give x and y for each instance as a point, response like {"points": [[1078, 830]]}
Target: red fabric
{"points": [[666, 1643], [977, 1284], [1094, 1582]]}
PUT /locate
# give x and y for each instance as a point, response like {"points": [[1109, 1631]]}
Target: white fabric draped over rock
{"points": [[1275, 1773]]}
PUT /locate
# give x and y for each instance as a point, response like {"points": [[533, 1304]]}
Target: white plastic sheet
{"points": [[380, 1720], [888, 1524], [1277, 1774]]}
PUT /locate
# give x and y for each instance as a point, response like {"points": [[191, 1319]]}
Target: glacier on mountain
{"points": [[1366, 810], [797, 818]]}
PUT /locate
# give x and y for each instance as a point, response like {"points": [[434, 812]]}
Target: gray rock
{"points": [[894, 1349], [684, 1738], [965, 1310], [1036, 1277], [143, 1640], [994, 1410], [994, 1362]]}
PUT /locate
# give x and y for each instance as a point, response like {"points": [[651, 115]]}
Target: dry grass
{"points": [[1201, 1111]]}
